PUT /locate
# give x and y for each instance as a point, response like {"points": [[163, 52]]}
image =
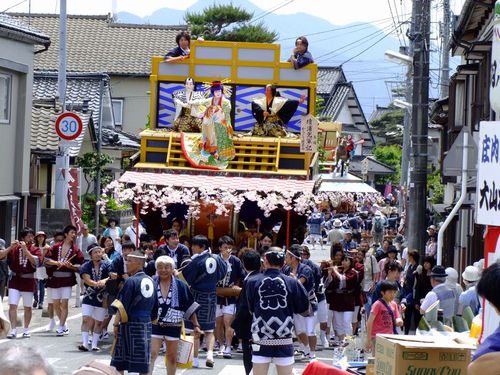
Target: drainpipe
{"points": [[463, 193]]}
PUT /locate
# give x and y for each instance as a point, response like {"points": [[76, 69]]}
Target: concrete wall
{"points": [[16, 59], [134, 92]]}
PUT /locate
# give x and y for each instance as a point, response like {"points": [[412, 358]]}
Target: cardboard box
{"points": [[420, 355]]}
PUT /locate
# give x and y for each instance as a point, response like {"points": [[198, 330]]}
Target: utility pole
{"points": [[420, 113], [97, 187], [445, 57], [405, 156], [62, 158]]}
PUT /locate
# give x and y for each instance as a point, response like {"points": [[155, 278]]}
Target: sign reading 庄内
{"points": [[488, 176]]}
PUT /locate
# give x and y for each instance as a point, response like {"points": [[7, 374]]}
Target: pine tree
{"points": [[228, 23]]}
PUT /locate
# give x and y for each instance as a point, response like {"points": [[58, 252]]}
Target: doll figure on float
{"points": [[273, 112], [213, 148], [187, 116]]}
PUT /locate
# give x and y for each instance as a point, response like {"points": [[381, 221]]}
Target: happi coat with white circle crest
{"points": [[136, 305]]}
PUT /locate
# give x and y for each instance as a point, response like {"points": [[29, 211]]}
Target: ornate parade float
{"points": [[232, 143]]}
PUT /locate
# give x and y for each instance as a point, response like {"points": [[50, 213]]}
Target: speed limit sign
{"points": [[69, 126]]}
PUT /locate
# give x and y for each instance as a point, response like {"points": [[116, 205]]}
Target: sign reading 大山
{"points": [[488, 176]]}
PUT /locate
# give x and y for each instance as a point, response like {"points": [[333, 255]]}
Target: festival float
{"points": [[232, 145]]}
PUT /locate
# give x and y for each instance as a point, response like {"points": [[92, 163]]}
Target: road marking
{"points": [[42, 328]]}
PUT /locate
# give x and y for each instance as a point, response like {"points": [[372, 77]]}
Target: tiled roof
{"points": [[379, 112], [96, 44], [20, 31], [344, 94], [336, 101], [79, 88], [328, 77], [124, 141], [374, 165]]}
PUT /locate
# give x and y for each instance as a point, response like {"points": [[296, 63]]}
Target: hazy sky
{"points": [[338, 12]]}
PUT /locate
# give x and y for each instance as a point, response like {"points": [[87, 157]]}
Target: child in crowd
{"points": [[384, 316]]}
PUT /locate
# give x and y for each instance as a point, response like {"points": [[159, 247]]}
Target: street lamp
{"points": [[398, 58], [402, 104]]}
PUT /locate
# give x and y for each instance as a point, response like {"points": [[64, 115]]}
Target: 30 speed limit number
{"points": [[69, 126]]}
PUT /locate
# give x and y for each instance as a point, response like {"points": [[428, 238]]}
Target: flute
{"points": [[69, 260]]}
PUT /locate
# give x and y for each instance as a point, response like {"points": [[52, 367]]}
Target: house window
{"points": [[118, 111], [5, 98]]}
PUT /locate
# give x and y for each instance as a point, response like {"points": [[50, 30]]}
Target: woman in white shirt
{"points": [[115, 232]]}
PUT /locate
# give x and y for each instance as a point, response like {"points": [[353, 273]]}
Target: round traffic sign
{"points": [[69, 126]]}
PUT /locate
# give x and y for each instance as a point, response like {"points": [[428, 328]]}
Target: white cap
{"points": [[452, 274], [471, 274]]}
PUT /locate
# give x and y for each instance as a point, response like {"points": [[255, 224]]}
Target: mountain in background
{"points": [[368, 72]]}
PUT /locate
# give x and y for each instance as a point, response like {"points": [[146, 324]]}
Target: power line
{"points": [[362, 40], [13, 6], [393, 20], [366, 49], [272, 10], [363, 25]]}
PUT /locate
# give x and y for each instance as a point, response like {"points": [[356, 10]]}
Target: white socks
{"points": [[85, 338], [210, 355], [95, 340]]}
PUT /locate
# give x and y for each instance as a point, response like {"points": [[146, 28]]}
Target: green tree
{"points": [[435, 187], [390, 155], [229, 23], [91, 164], [389, 127]]}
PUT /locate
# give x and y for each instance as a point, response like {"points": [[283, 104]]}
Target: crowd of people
{"points": [[254, 300]]}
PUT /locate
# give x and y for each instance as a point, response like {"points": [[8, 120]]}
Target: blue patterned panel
{"points": [[244, 120], [166, 108], [133, 347], [207, 310], [295, 93]]}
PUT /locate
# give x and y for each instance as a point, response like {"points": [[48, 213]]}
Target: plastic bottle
{"points": [[370, 367], [476, 326]]}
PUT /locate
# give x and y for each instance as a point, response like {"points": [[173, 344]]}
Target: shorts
{"points": [[225, 310], [342, 322], [278, 361], [49, 295], [304, 324], [15, 295], [322, 313], [63, 292], [329, 322], [96, 313], [166, 338], [355, 314], [169, 333]]}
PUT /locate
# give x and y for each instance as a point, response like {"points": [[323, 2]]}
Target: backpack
{"points": [[378, 225]]}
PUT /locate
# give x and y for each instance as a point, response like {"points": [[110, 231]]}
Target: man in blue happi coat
{"points": [[134, 306], [202, 275]]}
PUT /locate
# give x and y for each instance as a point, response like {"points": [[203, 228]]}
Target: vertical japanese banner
{"points": [[488, 178], [75, 210], [488, 206], [491, 255], [309, 127]]}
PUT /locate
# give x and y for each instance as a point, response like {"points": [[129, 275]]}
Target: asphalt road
{"points": [[63, 354]]}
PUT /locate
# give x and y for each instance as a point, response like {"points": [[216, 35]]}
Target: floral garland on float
{"points": [[158, 198]]}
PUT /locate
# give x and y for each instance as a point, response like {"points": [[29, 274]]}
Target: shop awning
{"points": [[348, 184], [218, 182]]}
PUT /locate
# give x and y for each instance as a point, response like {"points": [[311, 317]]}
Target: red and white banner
{"points": [[75, 211], [491, 255]]}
